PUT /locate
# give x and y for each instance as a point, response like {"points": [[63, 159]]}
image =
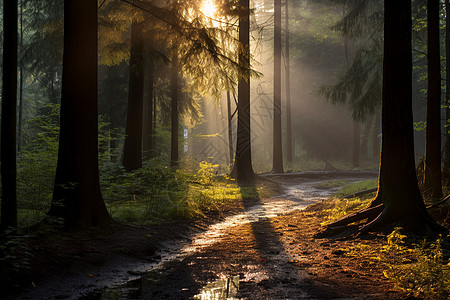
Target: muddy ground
{"points": [[255, 249]]}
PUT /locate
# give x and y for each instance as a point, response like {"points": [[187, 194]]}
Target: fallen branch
{"points": [[361, 193]]}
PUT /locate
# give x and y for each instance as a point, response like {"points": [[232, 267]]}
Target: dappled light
{"points": [[232, 149]]}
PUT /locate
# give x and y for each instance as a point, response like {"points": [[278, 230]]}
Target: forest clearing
{"points": [[227, 149]]}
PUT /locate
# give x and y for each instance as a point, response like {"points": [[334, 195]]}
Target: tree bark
{"points": [[174, 113], [76, 196], [446, 166], [132, 149], [243, 169], [154, 118], [9, 119], [148, 140], [398, 189], [277, 141], [20, 107], [433, 177], [289, 144], [230, 127]]}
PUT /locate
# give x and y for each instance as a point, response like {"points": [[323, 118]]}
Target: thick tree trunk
{"points": [[8, 122], [402, 202], [174, 113], [356, 145], [433, 177], [76, 196], [289, 144], [365, 139], [277, 141], [446, 166], [230, 127], [243, 169], [132, 149], [148, 139]]}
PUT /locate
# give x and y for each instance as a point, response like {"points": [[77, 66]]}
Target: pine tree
{"points": [[243, 169], [77, 197], [398, 189], [277, 133], [433, 177], [8, 122]]}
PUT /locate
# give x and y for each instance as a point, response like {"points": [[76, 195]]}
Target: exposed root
{"points": [[420, 223], [368, 213]]}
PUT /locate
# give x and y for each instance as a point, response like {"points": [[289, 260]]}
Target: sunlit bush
{"points": [[157, 193], [420, 271]]}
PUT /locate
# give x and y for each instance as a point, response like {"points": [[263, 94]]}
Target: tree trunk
{"points": [[446, 166], [154, 118], [243, 169], [365, 139], [174, 113], [20, 115], [230, 127], [398, 188], [277, 142], [148, 140], [8, 122], [376, 137], [76, 196], [289, 144], [132, 149], [433, 178], [356, 144]]}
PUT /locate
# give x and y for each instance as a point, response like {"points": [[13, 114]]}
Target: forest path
{"points": [[261, 253], [265, 250]]}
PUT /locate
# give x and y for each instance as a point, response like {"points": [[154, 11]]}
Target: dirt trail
{"points": [[266, 252]]}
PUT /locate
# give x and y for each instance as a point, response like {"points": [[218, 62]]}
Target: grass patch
{"points": [[355, 187], [331, 184], [340, 206]]}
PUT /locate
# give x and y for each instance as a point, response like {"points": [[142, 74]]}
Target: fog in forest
{"points": [[321, 131], [320, 56], [229, 140]]}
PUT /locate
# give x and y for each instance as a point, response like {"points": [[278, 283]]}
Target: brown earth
{"points": [[272, 258]]}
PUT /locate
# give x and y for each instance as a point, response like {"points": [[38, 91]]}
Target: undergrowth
{"points": [[418, 269], [153, 194], [156, 193]]}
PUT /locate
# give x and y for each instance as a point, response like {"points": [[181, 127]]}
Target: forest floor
{"points": [[238, 253]]}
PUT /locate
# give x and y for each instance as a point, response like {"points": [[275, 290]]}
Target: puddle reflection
{"points": [[223, 289]]}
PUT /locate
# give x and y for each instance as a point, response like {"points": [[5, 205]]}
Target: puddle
{"points": [[222, 289]]}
